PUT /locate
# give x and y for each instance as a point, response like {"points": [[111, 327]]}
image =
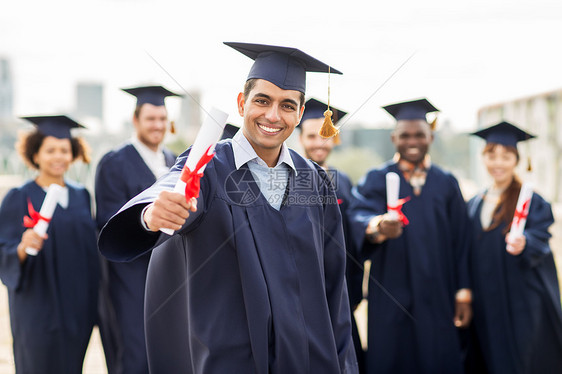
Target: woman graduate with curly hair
{"points": [[53, 294], [517, 325]]}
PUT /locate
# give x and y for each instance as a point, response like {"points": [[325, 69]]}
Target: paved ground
{"points": [[95, 364]]}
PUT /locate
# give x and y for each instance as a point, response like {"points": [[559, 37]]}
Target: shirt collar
{"points": [[406, 165], [244, 153], [143, 148]]}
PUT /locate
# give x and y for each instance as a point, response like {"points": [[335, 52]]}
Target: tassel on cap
{"points": [[433, 124], [328, 129], [172, 127], [337, 139]]}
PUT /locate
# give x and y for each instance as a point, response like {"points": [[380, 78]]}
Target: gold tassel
{"points": [[433, 124], [529, 167], [328, 129], [172, 127], [337, 140]]}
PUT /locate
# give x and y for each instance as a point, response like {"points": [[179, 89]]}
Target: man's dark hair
{"points": [[137, 111], [251, 83]]}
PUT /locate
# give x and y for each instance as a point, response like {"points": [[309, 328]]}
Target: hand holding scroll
{"points": [[169, 210]]}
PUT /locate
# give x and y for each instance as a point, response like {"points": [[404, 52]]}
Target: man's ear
{"points": [[241, 100], [300, 115], [135, 121]]}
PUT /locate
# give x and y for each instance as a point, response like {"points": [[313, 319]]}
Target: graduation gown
{"points": [[516, 299], [354, 263], [52, 296], [121, 175], [264, 290], [414, 278]]}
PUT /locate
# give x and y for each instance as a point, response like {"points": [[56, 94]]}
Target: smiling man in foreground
{"points": [[261, 252]]}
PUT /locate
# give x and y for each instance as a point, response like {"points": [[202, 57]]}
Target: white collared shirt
{"points": [[155, 161], [271, 181]]}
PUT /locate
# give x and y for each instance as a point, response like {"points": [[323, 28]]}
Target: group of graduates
{"points": [[265, 266]]}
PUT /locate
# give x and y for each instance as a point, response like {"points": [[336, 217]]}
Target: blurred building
{"points": [[6, 90], [189, 122], [540, 115], [89, 100]]}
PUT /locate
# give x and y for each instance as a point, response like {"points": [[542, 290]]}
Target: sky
{"points": [[461, 55]]}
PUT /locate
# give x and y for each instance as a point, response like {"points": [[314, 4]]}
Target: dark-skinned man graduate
{"points": [[418, 283], [318, 149], [122, 174], [262, 247]]}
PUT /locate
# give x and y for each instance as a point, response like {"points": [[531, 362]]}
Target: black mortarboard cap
{"points": [[154, 95], [57, 126], [411, 110], [315, 109], [285, 67], [504, 133], [229, 131]]}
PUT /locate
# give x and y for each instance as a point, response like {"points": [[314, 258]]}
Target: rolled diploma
{"points": [[517, 226], [209, 134], [54, 195], [392, 191]]}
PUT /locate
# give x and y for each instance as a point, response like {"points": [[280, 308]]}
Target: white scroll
{"points": [[209, 134], [55, 195], [521, 212], [392, 192]]}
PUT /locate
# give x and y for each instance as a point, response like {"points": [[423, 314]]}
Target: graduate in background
{"points": [[517, 316], [418, 285], [53, 295], [317, 149], [262, 249], [122, 174]]}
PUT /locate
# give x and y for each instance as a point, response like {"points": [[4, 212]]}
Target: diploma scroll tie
{"points": [[192, 178], [199, 156], [398, 209], [521, 214], [521, 211], [40, 221], [34, 216]]}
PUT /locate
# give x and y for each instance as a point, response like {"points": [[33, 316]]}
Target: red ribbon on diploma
{"points": [[523, 213], [398, 209], [192, 177], [34, 216]]}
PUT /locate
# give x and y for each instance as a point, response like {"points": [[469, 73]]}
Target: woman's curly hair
{"points": [[28, 145]]}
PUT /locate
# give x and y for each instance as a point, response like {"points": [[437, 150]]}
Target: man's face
{"points": [[270, 115], [412, 139], [151, 124], [315, 147]]}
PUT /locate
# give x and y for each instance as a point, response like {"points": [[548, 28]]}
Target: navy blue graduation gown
{"points": [[516, 299], [250, 289], [52, 296], [414, 278], [354, 263], [121, 175]]}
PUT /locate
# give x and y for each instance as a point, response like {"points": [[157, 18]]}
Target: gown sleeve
{"points": [[460, 233], [336, 289], [110, 194], [124, 238], [11, 230], [367, 202], [536, 231]]}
